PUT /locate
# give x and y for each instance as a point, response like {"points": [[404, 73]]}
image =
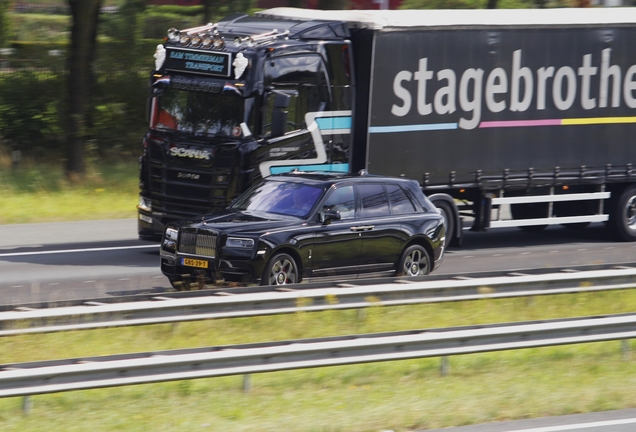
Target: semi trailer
{"points": [[506, 118]]}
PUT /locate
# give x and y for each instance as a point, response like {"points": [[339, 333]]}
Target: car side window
{"points": [[342, 200], [400, 202], [374, 200]]}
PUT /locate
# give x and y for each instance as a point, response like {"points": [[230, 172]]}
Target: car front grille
{"points": [[198, 244]]}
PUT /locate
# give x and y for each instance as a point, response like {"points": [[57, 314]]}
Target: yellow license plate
{"points": [[194, 263]]}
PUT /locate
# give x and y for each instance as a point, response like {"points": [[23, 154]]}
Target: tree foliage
{"points": [[4, 22], [215, 9]]}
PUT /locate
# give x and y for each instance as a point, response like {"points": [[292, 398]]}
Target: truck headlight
{"points": [[237, 242], [145, 204]]}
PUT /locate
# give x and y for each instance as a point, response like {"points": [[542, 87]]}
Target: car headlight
{"points": [[170, 240], [236, 242], [145, 204], [172, 234]]}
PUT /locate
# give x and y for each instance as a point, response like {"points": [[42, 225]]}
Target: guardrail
{"points": [[225, 304], [24, 379]]}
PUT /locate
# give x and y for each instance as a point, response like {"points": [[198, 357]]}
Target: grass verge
{"points": [[37, 193], [401, 395]]}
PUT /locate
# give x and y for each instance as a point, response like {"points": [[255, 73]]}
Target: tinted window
{"points": [[374, 200], [400, 202], [293, 199], [342, 200]]}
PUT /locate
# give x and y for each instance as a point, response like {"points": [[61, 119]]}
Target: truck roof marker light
{"points": [[240, 64], [195, 40], [206, 41], [173, 34], [218, 42], [184, 38]]}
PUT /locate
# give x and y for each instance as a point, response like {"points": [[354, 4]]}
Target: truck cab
{"points": [[238, 100]]}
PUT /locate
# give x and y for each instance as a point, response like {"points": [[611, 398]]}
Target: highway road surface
{"points": [[89, 259]]}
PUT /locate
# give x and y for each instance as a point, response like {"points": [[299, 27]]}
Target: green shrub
{"points": [[30, 107], [40, 27]]}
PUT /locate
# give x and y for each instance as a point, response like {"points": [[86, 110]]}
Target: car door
{"points": [[337, 245], [382, 236]]}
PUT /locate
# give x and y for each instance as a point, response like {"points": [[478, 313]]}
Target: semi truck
{"points": [[506, 118]]}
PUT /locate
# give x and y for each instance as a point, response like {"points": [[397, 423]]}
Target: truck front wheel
{"points": [[622, 217]]}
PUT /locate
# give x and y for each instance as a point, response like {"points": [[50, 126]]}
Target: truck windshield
{"points": [[202, 113]]}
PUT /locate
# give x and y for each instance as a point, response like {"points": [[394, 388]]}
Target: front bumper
{"points": [[175, 267]]}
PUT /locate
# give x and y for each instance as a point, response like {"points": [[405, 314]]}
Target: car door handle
{"points": [[363, 228]]}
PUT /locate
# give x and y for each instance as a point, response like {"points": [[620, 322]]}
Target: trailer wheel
{"points": [[622, 217], [449, 221], [530, 211]]}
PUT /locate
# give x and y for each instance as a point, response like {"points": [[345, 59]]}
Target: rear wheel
{"points": [[530, 211], [446, 210], [280, 270], [415, 261], [622, 219]]}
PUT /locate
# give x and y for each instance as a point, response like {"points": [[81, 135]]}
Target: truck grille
{"points": [[198, 244]]}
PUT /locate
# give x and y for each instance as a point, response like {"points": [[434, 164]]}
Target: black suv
{"points": [[305, 226]]}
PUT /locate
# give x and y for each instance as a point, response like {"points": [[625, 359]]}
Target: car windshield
{"points": [[203, 113], [286, 198]]}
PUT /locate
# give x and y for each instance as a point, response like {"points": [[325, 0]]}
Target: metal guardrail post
{"points": [[445, 366], [626, 349], [247, 383], [26, 405]]}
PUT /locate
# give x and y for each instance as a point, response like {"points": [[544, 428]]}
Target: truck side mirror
{"points": [[279, 114]]}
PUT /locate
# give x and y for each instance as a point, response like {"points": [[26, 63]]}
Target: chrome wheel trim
{"points": [[283, 272], [416, 263]]}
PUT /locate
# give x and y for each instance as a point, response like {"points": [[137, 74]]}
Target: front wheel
{"points": [[622, 218], [280, 270], [415, 261]]}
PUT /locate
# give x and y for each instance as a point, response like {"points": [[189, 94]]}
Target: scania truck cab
{"points": [[238, 100]]}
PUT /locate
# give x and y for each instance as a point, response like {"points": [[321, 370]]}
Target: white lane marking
{"points": [[576, 426], [77, 250]]}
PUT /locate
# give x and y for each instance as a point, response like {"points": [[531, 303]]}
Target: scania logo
{"points": [[190, 153]]}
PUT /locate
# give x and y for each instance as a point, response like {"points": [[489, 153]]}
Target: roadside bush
{"points": [[30, 107], [40, 27]]}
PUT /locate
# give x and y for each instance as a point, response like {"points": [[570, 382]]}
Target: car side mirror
{"points": [[330, 216]]}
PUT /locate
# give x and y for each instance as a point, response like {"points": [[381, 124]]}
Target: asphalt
{"points": [[39, 234]]}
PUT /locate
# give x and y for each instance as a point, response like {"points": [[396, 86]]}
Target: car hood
{"points": [[242, 222]]}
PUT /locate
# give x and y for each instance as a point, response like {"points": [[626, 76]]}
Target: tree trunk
{"points": [[492, 4], [85, 14]]}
